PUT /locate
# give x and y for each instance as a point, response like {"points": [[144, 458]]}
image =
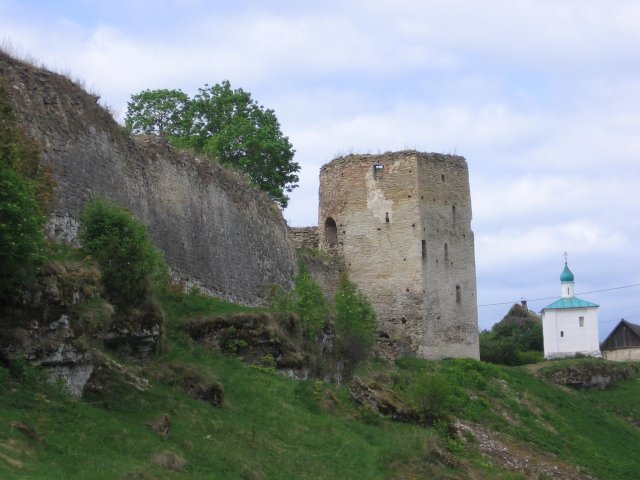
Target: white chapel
{"points": [[570, 324]]}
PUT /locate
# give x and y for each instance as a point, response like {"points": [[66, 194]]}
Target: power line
{"points": [[550, 298]]}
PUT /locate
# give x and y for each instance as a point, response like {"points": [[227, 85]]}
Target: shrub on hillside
{"points": [[307, 300], [21, 234], [355, 322], [132, 266], [432, 395], [26, 192], [515, 340]]}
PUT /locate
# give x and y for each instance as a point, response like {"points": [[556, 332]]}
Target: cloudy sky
{"points": [[542, 97]]}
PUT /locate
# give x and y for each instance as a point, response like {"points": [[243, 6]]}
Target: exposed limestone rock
{"points": [[382, 400], [109, 374], [268, 340], [597, 376], [258, 338], [135, 336], [196, 384], [50, 329]]}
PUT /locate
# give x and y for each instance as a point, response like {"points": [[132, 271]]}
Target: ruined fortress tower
{"points": [[402, 223]]}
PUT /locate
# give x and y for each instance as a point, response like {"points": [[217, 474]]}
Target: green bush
{"points": [[307, 300], [21, 234], [432, 397], [355, 322], [515, 340], [311, 305], [26, 193], [132, 267]]}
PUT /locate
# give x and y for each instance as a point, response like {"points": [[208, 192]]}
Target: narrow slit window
{"points": [[378, 171], [424, 249], [386, 217], [561, 333], [581, 321], [458, 294], [446, 252]]}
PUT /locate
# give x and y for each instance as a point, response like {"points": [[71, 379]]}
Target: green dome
{"points": [[566, 275]]}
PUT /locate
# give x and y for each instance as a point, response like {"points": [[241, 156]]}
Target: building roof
{"points": [[570, 302], [566, 275], [632, 326]]}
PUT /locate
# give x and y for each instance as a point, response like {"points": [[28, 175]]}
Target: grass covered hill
{"points": [[475, 420]]}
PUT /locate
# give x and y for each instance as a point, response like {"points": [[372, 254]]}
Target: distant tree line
{"points": [[225, 124]]}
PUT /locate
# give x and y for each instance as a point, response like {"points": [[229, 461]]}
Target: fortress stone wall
{"points": [[402, 223], [215, 232], [398, 223]]}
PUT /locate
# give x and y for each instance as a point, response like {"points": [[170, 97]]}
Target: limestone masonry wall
{"points": [[304, 237], [402, 222], [215, 231]]}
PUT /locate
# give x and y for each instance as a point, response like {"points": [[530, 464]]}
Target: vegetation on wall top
{"points": [[226, 124]]}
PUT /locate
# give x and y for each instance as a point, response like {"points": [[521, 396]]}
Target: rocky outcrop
{"points": [[216, 232], [597, 376], [50, 330], [272, 341], [382, 400], [258, 338], [62, 314], [521, 459]]}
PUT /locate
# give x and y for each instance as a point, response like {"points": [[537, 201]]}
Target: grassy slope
{"points": [[272, 427]]}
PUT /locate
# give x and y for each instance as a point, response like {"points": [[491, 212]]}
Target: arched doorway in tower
{"points": [[330, 233]]}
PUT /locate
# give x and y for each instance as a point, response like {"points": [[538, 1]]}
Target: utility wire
{"points": [[550, 298]]}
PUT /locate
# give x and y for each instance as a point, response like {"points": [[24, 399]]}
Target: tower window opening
{"points": [[330, 232], [378, 170], [446, 252], [453, 214], [561, 333], [424, 249], [442, 177], [581, 321], [458, 294], [386, 217]]}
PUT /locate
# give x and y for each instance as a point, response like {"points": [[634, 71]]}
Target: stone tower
{"points": [[402, 223]]}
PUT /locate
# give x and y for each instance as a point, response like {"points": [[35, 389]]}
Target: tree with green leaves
{"points": [[159, 112], [356, 322], [227, 125], [514, 340], [132, 267], [21, 234], [307, 300], [26, 195]]}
